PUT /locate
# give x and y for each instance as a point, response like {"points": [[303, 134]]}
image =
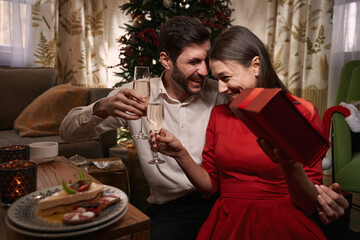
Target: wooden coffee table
{"points": [[134, 225]]}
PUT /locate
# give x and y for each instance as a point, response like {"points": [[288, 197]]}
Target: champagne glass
{"points": [[142, 85], [155, 117]]}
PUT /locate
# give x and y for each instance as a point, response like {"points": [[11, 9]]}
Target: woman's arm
{"points": [[166, 143], [302, 191]]}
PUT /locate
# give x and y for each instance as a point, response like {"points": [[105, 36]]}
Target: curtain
{"points": [[73, 36], [345, 41], [298, 36], [43, 48], [15, 38], [82, 45]]}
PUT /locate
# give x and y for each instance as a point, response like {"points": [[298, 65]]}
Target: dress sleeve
{"points": [[209, 163], [308, 110]]}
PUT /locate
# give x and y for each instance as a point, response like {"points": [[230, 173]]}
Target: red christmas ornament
{"points": [[208, 3], [143, 60], [136, 14]]}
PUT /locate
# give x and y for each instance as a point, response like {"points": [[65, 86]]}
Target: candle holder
{"points": [[17, 179], [14, 152]]}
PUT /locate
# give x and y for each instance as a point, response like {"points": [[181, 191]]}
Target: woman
{"points": [[263, 195]]}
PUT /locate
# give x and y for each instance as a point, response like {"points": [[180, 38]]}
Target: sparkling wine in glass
{"points": [[155, 117], [142, 85]]}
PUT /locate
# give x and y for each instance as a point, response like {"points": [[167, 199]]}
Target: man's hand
{"points": [[127, 103], [332, 203]]}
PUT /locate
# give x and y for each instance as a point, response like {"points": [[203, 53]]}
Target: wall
{"points": [[251, 14]]}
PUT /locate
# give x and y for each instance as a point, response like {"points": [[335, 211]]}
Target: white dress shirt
{"points": [[186, 120]]}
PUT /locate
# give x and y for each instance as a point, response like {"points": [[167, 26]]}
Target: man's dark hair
{"points": [[179, 32]]}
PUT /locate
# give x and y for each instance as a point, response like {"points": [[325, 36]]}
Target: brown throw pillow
{"points": [[44, 115]]}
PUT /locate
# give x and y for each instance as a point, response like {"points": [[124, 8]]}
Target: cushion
{"points": [[45, 114]]}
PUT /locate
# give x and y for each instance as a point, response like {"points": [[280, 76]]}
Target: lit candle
{"points": [[17, 179]]}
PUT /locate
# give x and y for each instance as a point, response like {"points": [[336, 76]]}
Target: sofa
{"points": [[21, 91]]}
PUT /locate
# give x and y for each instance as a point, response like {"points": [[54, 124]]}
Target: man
{"points": [[177, 210]]}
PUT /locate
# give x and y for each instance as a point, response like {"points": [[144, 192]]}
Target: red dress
{"points": [[254, 202]]}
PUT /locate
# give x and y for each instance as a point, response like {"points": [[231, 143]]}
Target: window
{"points": [[350, 15], [15, 22]]}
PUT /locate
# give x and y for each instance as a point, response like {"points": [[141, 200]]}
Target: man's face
{"points": [[190, 68]]}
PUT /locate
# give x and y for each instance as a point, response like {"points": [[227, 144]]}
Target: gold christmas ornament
{"points": [[122, 39], [168, 3], [138, 21]]}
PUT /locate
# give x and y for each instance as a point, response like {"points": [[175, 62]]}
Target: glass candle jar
{"points": [[17, 179], [14, 152]]}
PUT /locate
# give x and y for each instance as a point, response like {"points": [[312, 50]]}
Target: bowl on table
{"points": [[42, 152]]}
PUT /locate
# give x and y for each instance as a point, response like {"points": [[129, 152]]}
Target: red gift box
{"points": [[270, 115]]}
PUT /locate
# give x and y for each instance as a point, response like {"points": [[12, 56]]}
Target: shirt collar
{"points": [[157, 88]]}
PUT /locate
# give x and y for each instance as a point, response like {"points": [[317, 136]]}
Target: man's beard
{"points": [[181, 79]]}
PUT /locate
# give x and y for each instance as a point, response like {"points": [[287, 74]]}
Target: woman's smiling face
{"points": [[233, 77]]}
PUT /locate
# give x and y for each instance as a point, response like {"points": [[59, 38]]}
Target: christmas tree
{"points": [[139, 45]]}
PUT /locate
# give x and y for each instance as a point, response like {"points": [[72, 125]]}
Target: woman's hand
{"points": [[273, 153], [166, 143], [332, 203]]}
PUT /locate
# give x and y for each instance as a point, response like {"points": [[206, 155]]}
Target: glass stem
{"points": [[140, 125], [156, 157]]}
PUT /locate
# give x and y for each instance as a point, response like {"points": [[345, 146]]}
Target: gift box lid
{"points": [[271, 115]]}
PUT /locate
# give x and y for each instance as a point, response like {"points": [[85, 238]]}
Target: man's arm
{"points": [[80, 125], [83, 123]]}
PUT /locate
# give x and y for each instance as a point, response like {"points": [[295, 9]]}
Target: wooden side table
{"points": [[139, 188], [128, 155], [115, 175]]}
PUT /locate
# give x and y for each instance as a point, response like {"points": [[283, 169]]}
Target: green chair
{"points": [[345, 143]]}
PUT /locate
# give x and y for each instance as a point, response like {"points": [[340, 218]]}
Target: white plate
{"points": [[64, 234], [23, 212]]}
